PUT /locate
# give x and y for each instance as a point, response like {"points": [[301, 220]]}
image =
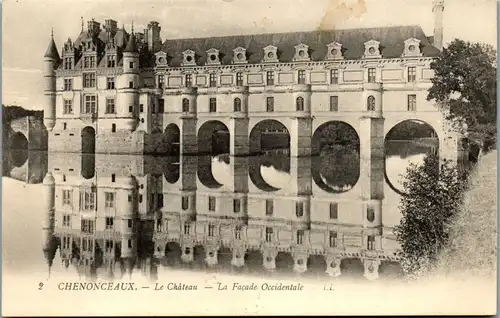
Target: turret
{"points": [[49, 241], [130, 85], [128, 218], [438, 9], [51, 61]]}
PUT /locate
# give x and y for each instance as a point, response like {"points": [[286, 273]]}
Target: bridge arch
{"points": [[213, 147], [88, 139], [336, 163], [18, 141], [408, 141], [269, 143], [172, 138]]}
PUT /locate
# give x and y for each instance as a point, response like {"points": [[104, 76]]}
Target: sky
{"points": [[26, 25]]}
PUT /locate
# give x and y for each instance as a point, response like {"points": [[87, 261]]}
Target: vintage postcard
{"points": [[249, 157]]}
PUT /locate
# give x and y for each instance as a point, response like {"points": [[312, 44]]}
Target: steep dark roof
{"points": [[391, 44], [131, 45], [52, 50]]}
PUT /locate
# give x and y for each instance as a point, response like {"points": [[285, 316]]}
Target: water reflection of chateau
{"points": [[112, 214]]}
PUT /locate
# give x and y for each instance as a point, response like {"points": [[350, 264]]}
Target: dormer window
{"points": [[161, 59], [301, 52], [111, 59], [188, 58], [334, 51], [270, 54], [412, 48], [68, 63], [240, 55], [89, 61], [213, 57], [372, 49]]}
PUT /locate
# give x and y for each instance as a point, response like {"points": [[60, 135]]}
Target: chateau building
{"points": [[111, 91]]}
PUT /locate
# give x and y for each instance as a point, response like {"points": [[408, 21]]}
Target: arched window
{"points": [[370, 103], [370, 214], [237, 104], [300, 104], [185, 105]]}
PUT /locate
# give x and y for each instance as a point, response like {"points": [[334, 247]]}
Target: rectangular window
{"points": [[89, 80], [131, 84], [269, 207], [87, 226], [141, 108], [334, 76], [211, 230], [239, 79], [371, 75], [110, 106], [90, 104], [68, 63], [130, 223], [213, 80], [68, 106], [110, 83], [269, 234], [270, 78], [236, 205], [131, 109], [67, 197], [113, 127], [89, 62], [185, 105], [187, 228], [211, 203], [185, 203], [370, 242], [189, 80], [131, 64], [300, 237], [111, 60], [161, 105], [109, 223], [68, 84], [113, 177], [412, 103], [109, 246], [333, 239], [270, 104], [109, 199], [161, 81], [301, 77], [87, 200], [299, 209], [129, 243], [334, 214], [237, 232], [213, 105], [334, 103], [67, 220], [412, 74]]}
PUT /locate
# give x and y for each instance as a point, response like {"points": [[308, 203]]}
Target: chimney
{"points": [[111, 26], [93, 27], [437, 9], [153, 36]]}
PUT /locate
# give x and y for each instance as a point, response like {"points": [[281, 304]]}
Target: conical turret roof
{"points": [[131, 45], [52, 50]]}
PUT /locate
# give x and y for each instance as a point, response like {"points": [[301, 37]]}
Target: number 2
{"points": [[40, 286]]}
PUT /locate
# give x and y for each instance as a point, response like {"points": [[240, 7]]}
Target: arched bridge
{"points": [[27, 133]]}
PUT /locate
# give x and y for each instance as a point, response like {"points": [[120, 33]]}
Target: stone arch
{"points": [[352, 267], [270, 144], [225, 255], [199, 254], [88, 165], [172, 169], [316, 265], [390, 270], [173, 252], [254, 260], [172, 138], [284, 262], [213, 144], [88, 139], [336, 162], [18, 141], [409, 140]]}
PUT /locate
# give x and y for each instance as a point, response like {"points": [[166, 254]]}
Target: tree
{"points": [[433, 196], [465, 85]]}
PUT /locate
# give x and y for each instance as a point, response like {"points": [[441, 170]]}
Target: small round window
{"points": [[371, 50], [189, 58], [213, 57], [333, 52], [302, 53], [411, 48], [270, 55], [161, 60], [240, 56]]}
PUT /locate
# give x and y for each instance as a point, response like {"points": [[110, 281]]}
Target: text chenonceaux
{"points": [[110, 286]]}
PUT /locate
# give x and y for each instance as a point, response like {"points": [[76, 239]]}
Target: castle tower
{"points": [[438, 9], [129, 85], [51, 61], [49, 241]]}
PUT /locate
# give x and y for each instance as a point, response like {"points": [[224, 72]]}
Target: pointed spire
{"points": [[52, 49], [82, 23], [132, 26], [131, 45], [52, 32]]}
